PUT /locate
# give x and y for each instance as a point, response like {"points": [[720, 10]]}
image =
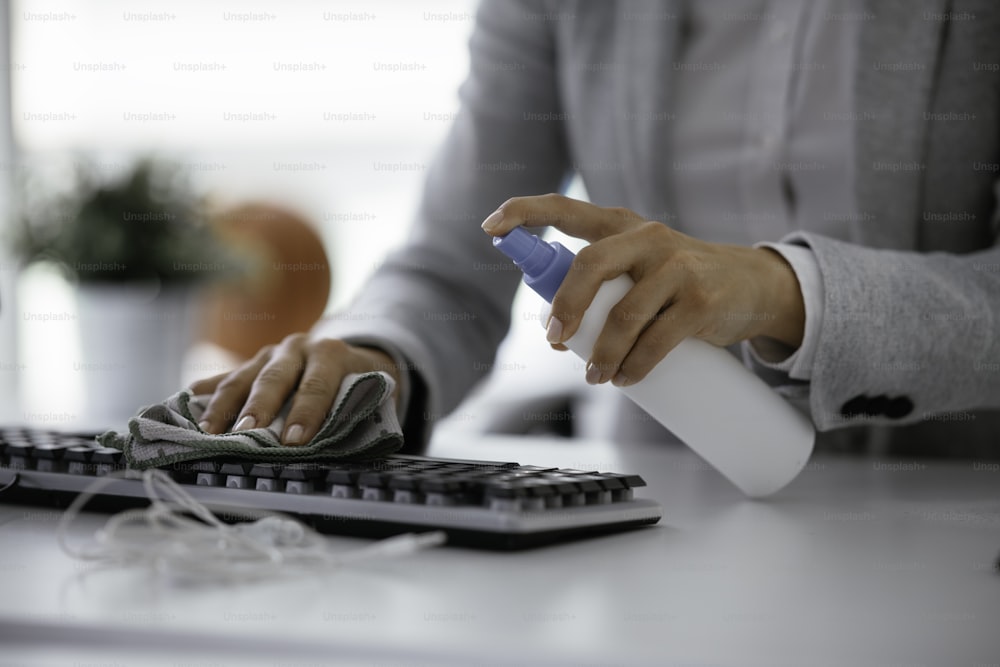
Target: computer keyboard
{"points": [[485, 504]]}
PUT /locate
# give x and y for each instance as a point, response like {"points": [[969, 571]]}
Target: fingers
{"points": [[207, 385], [593, 265], [231, 393], [327, 363], [274, 384], [571, 216], [648, 253], [662, 335], [308, 372], [646, 304]]}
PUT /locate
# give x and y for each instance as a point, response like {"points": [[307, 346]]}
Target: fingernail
{"points": [[492, 220], [245, 424], [593, 374], [204, 426], [620, 380], [293, 436], [553, 330]]}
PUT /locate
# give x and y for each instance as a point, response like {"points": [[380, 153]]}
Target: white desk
{"points": [[850, 565]]}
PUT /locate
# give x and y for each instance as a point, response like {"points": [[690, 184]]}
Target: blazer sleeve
{"points": [[443, 300], [904, 334]]}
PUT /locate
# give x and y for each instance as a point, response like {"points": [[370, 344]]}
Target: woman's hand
{"points": [[253, 394], [683, 287]]}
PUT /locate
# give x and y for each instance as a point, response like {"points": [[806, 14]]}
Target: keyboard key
{"points": [[181, 472], [269, 470], [303, 472], [505, 490], [48, 457], [19, 456], [611, 483], [51, 451], [267, 477], [237, 474], [268, 484], [79, 453], [240, 468], [562, 486], [239, 482], [533, 504], [633, 481], [406, 496], [78, 460], [440, 499], [592, 488], [376, 480], [588, 483], [405, 482], [106, 460], [344, 491], [373, 493], [343, 475], [615, 488], [505, 504], [538, 488], [107, 456], [302, 478], [441, 484], [20, 449], [209, 479]]}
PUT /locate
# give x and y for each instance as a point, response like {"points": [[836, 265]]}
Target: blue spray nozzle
{"points": [[517, 244], [544, 264]]}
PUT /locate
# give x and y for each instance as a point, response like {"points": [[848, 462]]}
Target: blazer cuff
{"points": [[771, 354]]}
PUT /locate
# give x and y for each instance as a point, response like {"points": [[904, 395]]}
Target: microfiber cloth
{"points": [[361, 425]]}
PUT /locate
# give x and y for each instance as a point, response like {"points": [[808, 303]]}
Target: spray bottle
{"points": [[703, 394]]}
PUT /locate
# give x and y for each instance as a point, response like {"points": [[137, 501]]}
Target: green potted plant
{"points": [[136, 248]]}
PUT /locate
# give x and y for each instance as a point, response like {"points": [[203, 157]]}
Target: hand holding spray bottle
{"points": [[703, 394]]}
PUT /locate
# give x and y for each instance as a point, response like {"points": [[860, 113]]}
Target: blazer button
{"points": [[898, 407], [856, 406], [878, 404], [893, 408]]}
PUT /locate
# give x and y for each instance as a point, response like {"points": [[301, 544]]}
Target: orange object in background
{"points": [[285, 289]]}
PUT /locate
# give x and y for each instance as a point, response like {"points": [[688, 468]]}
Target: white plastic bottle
{"points": [[703, 394]]}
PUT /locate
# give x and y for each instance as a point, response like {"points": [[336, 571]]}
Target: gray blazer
{"points": [[912, 292]]}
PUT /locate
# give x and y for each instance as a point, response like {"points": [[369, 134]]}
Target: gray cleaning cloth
{"points": [[362, 425]]}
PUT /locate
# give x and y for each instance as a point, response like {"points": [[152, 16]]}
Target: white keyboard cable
{"points": [[179, 537]]}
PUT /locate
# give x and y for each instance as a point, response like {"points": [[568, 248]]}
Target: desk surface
{"points": [[857, 562]]}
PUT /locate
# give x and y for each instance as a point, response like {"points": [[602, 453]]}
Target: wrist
{"points": [[783, 296]]}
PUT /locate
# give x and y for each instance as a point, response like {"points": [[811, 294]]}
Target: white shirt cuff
{"points": [[771, 354]]}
